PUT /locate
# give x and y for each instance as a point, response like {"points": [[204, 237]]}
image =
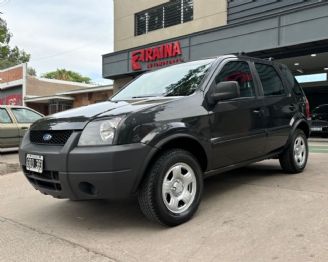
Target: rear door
{"points": [[237, 131], [279, 105], [9, 133]]}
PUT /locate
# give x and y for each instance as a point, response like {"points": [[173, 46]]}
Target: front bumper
{"points": [[78, 173]]}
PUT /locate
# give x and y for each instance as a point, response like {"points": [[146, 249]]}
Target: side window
{"points": [[271, 82], [4, 117], [25, 116], [292, 82], [238, 71]]}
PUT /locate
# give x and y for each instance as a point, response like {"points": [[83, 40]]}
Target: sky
{"points": [[70, 34]]}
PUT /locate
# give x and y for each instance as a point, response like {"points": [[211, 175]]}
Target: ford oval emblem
{"points": [[47, 137]]}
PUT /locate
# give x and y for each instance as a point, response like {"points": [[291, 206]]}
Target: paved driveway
{"points": [[252, 214]]}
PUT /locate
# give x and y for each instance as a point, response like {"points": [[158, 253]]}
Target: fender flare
{"points": [[156, 148], [296, 124]]}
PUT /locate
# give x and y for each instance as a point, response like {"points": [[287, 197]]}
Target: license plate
{"points": [[317, 129], [34, 163]]}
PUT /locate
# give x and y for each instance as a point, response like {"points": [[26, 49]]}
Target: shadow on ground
{"points": [[111, 216]]}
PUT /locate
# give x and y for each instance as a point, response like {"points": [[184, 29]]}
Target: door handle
{"points": [[24, 128]]}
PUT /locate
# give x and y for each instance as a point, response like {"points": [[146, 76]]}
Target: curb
{"points": [[7, 168]]}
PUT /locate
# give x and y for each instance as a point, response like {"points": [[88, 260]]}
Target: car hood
{"points": [[77, 118]]}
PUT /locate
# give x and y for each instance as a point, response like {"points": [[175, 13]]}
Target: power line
{"points": [[61, 53]]}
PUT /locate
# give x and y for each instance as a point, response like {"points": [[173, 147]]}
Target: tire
{"points": [[172, 189], [294, 159]]}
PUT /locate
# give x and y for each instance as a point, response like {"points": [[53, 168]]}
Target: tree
{"points": [[31, 71], [10, 56], [67, 75]]}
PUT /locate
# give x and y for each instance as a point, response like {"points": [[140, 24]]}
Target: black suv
{"points": [[167, 130]]}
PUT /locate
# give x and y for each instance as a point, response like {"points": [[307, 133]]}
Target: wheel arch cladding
{"points": [[189, 144], [182, 142], [304, 127]]}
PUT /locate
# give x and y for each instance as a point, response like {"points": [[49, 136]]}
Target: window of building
{"points": [[58, 106], [271, 82], [172, 13], [240, 72]]}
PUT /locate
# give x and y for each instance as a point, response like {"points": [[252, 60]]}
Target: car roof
{"points": [[12, 106], [249, 58]]}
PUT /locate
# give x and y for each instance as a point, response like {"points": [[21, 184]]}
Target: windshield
{"points": [[177, 80], [24, 115]]}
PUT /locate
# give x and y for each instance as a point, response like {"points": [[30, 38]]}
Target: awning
{"points": [[47, 99]]}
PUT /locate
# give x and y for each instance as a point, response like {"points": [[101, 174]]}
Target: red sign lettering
{"points": [[153, 55], [14, 100]]}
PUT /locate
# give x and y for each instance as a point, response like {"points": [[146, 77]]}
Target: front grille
{"points": [[47, 180], [57, 137]]}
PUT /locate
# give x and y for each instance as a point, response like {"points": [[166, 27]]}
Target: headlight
{"points": [[99, 132]]}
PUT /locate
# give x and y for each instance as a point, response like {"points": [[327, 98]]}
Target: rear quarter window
{"points": [[293, 85], [270, 79]]}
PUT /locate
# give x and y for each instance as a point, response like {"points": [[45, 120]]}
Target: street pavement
{"points": [[9, 163], [252, 214]]}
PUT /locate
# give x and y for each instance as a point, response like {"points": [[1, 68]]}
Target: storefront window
{"points": [[172, 13], [57, 106]]}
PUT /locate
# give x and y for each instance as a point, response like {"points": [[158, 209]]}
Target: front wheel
{"points": [[173, 188], [293, 160]]}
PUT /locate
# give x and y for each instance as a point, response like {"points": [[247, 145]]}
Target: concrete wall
{"points": [[243, 10], [207, 14]]}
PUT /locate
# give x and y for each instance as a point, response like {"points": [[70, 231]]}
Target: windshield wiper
{"points": [[134, 97]]}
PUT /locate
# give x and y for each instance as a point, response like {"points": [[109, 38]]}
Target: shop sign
{"points": [[13, 100], [158, 56]]}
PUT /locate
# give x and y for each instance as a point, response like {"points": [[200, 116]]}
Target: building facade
{"points": [[150, 34], [47, 96]]}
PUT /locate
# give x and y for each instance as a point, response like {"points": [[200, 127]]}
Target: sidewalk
{"points": [[9, 163], [318, 140]]}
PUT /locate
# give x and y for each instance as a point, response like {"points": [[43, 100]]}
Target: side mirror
{"points": [[224, 91]]}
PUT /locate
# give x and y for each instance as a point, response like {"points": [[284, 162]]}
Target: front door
{"points": [[237, 129], [24, 118], [9, 133]]}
